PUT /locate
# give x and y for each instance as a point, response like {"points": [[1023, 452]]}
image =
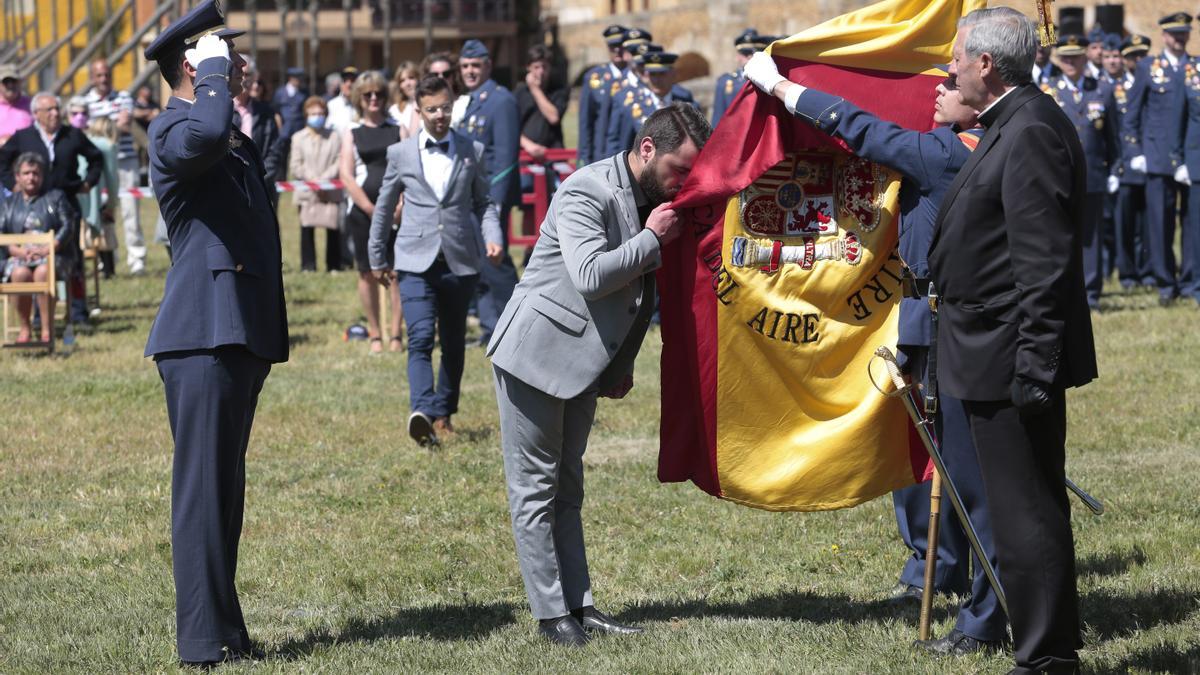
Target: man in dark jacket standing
{"points": [[1014, 328], [221, 325]]}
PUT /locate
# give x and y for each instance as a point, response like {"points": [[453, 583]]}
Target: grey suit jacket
{"points": [[455, 226], [580, 294]]}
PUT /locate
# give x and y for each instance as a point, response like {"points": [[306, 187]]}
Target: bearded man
{"points": [[571, 333]]}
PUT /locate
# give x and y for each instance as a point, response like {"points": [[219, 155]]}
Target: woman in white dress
{"points": [[403, 111]]}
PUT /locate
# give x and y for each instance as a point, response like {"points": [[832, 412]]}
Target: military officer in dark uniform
{"points": [[1094, 50], [1089, 105], [1133, 255], [658, 91], [1154, 130], [492, 118], [221, 324], [634, 42], [729, 84], [1043, 67], [1189, 272], [597, 83], [289, 103]]}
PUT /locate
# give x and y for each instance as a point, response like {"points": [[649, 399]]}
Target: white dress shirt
{"points": [[48, 139], [436, 164]]}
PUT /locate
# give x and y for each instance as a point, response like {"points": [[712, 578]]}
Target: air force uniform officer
{"points": [[221, 323]]}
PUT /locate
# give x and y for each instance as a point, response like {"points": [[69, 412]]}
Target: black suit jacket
{"points": [[265, 134], [1007, 256], [69, 144]]}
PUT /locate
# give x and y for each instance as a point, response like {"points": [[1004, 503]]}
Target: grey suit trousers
{"points": [[543, 440]]}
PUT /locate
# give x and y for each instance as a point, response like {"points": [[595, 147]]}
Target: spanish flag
{"points": [[775, 301]]}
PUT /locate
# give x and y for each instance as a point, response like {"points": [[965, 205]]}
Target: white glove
{"points": [[1181, 175], [208, 47], [762, 71], [1114, 184], [1138, 164]]}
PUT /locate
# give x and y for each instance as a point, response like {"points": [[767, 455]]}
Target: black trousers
{"points": [[211, 397], [308, 249], [1022, 459]]}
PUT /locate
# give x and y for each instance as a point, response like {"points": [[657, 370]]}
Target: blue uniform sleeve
{"points": [[618, 115], [599, 138], [921, 157], [587, 117], [506, 144], [190, 148], [1131, 128]]}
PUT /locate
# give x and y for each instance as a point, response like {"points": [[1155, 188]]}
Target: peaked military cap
{"points": [[473, 49], [659, 62], [1134, 45], [639, 51], [634, 37], [747, 41], [614, 35], [1072, 45], [203, 19], [1178, 22], [296, 71]]}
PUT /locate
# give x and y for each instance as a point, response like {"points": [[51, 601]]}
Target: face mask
{"points": [[316, 121], [79, 120]]}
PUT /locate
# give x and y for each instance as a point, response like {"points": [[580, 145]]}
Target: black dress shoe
{"points": [[564, 630], [593, 620], [903, 593], [251, 653], [957, 643]]}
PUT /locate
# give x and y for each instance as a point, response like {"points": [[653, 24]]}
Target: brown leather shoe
{"points": [[443, 428]]}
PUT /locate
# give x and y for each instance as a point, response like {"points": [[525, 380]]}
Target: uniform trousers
{"points": [[980, 615], [211, 397], [1093, 247], [1133, 260], [1189, 277], [543, 439], [1022, 458], [496, 284], [436, 300], [1162, 194]]}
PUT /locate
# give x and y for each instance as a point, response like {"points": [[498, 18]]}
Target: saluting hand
{"points": [[664, 222], [208, 47]]}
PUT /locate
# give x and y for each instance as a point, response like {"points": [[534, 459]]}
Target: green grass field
{"points": [[364, 553]]}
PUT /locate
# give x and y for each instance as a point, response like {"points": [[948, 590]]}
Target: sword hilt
{"points": [[888, 357]]}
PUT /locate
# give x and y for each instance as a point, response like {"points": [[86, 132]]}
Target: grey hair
{"points": [[1008, 36], [30, 158], [44, 94]]}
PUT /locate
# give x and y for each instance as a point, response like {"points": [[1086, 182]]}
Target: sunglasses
{"points": [[374, 93], [445, 74]]}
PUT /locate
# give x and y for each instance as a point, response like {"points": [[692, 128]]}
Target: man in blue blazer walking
{"points": [[221, 323]]}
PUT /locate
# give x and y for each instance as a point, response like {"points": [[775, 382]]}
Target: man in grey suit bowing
{"points": [[571, 333], [446, 218]]}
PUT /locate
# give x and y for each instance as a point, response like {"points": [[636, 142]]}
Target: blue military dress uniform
{"points": [[221, 324], [1154, 128], [727, 87], [636, 105], [491, 118], [929, 162], [1189, 273], [597, 85], [1090, 106], [290, 107], [1133, 255]]}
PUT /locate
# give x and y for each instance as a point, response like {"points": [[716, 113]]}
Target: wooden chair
{"points": [[48, 288]]}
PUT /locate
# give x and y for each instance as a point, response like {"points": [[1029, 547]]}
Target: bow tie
{"points": [[444, 146]]}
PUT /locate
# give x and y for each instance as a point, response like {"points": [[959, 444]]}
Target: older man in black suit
{"points": [[60, 144], [1015, 331]]}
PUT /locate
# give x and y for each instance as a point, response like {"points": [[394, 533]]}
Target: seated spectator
{"points": [[315, 156], [14, 106], [30, 209], [403, 111], [540, 104]]}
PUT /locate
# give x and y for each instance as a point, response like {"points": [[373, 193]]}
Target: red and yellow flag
{"points": [[790, 280]]}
